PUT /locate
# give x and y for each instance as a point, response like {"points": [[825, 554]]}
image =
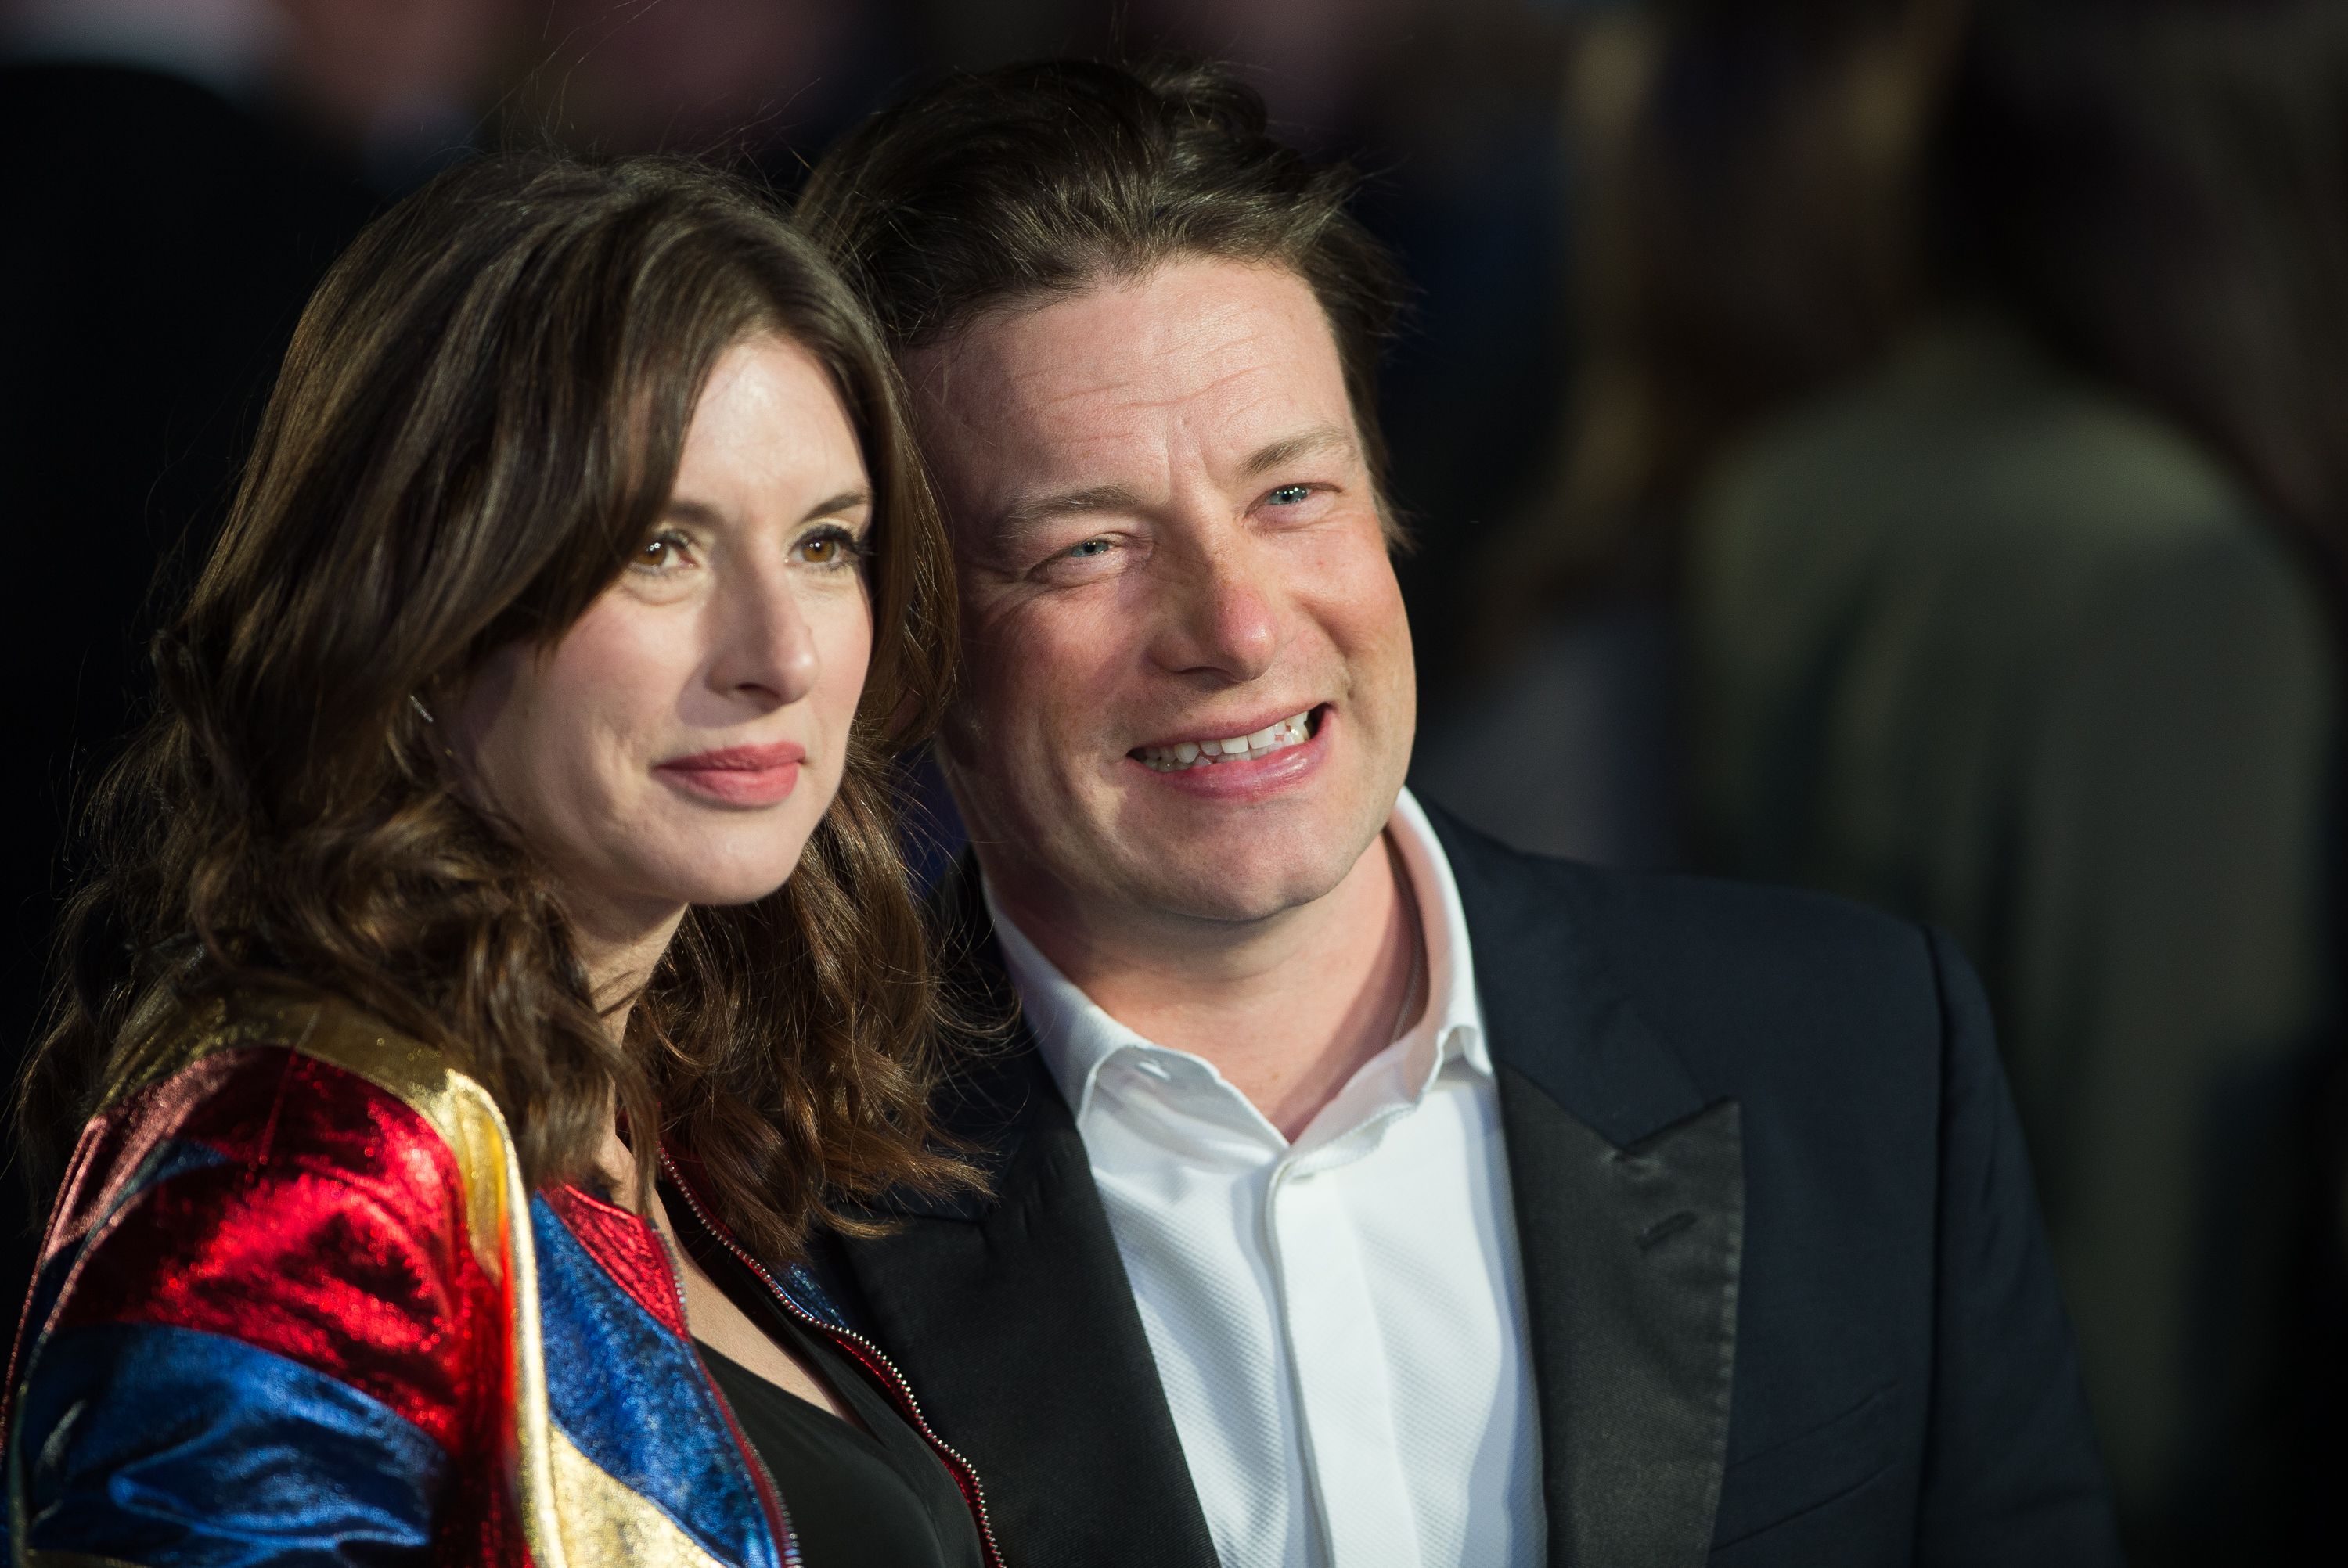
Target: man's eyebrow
{"points": [[1030, 512], [1319, 440]]}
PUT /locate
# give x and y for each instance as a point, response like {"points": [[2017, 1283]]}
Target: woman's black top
{"points": [[878, 1497]]}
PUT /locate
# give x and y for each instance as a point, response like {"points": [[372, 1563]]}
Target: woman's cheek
{"points": [[844, 637], [620, 645]]}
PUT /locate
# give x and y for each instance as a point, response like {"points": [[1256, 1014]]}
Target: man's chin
{"points": [[1232, 886]]}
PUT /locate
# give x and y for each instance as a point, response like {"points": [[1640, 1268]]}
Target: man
{"points": [[1365, 1191]]}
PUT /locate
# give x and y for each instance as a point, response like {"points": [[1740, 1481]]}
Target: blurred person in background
{"points": [[177, 174], [1972, 397], [765, 84]]}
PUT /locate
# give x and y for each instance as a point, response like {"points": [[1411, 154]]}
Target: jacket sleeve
{"points": [[2012, 1475], [257, 1338]]}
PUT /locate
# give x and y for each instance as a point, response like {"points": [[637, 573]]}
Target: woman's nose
{"points": [[765, 645]]}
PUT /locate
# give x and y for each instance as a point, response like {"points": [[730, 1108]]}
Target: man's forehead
{"points": [[1238, 348]]}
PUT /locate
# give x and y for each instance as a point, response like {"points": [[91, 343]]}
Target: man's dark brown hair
{"points": [[1000, 188]]}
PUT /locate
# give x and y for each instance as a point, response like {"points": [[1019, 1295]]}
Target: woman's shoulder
{"points": [[303, 1085], [260, 1023], [294, 1235]]}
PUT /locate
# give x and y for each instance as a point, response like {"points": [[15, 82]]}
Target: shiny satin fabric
{"points": [[295, 1305]]}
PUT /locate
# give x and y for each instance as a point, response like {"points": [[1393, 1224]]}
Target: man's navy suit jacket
{"points": [[1788, 1294]]}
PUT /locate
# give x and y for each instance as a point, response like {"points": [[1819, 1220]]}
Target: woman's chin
{"points": [[722, 883], [733, 895], [686, 879]]}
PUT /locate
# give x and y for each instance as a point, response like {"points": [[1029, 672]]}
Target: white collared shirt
{"points": [[1339, 1323]]}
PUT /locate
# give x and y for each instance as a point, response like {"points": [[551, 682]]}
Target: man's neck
{"points": [[1287, 1009]]}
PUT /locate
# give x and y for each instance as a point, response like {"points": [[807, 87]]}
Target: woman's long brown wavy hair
{"points": [[481, 415]]}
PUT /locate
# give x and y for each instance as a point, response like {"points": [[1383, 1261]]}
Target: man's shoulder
{"points": [[1741, 981], [1670, 926]]}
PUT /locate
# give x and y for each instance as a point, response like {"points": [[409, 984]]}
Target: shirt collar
{"points": [[1452, 1010], [1076, 1037]]}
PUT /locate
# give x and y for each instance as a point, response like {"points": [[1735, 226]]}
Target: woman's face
{"points": [[681, 741]]}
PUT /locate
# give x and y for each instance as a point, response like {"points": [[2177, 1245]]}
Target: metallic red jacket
{"points": [[295, 1303]]}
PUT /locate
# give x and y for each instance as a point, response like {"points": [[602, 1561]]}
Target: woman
{"points": [[514, 824]]}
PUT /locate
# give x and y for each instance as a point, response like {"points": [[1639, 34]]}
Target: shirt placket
{"points": [[1344, 1403]]}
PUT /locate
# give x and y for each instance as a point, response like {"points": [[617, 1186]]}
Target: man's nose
{"points": [[1223, 615], [763, 644]]}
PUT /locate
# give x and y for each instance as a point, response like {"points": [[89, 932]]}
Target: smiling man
{"points": [[1367, 1193]]}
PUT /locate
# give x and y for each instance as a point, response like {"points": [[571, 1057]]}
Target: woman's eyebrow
{"points": [[686, 510], [846, 501]]}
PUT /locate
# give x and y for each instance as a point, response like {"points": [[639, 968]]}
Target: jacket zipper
{"points": [[770, 1496], [893, 1381]]}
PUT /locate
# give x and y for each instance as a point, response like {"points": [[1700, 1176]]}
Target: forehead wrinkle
{"points": [[1210, 340], [996, 350]]}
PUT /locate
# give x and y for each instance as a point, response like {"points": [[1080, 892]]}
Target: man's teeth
{"points": [[1205, 753]]}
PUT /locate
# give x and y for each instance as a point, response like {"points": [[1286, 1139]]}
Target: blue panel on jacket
{"points": [[635, 1398], [180, 1449]]}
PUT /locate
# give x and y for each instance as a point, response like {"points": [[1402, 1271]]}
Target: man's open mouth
{"points": [[1277, 736]]}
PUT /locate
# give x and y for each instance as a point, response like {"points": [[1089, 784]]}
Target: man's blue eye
{"points": [[1090, 548], [1289, 495]]}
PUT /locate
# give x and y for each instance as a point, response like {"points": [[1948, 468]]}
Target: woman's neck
{"points": [[620, 947]]}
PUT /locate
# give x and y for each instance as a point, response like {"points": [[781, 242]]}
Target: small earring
{"points": [[422, 712]]}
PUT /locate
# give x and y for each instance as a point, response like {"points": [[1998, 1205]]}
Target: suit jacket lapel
{"points": [[1630, 1202], [1630, 1262], [1012, 1320]]}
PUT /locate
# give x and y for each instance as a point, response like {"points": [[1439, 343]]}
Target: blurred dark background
{"points": [[1894, 445]]}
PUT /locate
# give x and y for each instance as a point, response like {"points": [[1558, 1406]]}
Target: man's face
{"points": [[1190, 691]]}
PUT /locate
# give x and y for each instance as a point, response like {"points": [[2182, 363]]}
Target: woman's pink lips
{"points": [[739, 775]]}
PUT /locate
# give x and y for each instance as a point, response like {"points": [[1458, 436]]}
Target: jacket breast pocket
{"points": [[1839, 1458]]}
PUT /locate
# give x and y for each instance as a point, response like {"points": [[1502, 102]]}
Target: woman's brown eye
{"points": [[660, 553], [822, 551]]}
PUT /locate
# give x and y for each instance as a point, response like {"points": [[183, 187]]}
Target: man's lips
{"points": [[1267, 764], [738, 775], [1219, 743]]}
